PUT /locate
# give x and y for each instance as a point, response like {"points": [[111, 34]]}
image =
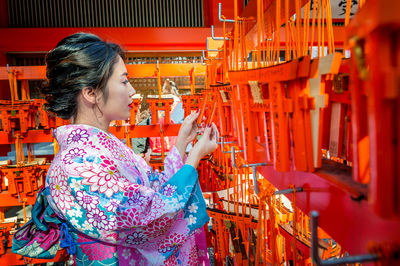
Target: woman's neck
{"points": [[91, 120]]}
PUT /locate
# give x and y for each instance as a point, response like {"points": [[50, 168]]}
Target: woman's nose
{"points": [[132, 89]]}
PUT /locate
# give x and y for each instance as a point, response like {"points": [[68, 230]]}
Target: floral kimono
{"points": [[118, 210]]}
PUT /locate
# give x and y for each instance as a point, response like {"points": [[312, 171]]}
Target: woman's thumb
{"points": [[207, 132]]}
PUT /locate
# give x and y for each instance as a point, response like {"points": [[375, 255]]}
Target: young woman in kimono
{"points": [[117, 210]]}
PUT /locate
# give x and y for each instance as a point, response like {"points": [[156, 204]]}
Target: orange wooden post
{"points": [[254, 132], [25, 90], [210, 119], [237, 116], [294, 225], [280, 127], [203, 109], [236, 36], [159, 83], [337, 123], [44, 117], [222, 116], [12, 79], [326, 66], [192, 81], [134, 110], [300, 120], [223, 96], [162, 142], [259, 232], [19, 150]]}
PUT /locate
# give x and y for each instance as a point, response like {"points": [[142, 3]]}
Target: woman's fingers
{"points": [[207, 132], [193, 116], [214, 132], [207, 143], [189, 119]]}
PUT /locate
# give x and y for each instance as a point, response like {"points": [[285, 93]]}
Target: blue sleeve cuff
{"points": [[184, 179]]}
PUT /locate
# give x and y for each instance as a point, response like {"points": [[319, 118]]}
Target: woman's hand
{"points": [[187, 132], [206, 145]]}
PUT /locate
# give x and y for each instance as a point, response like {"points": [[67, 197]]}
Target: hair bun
{"points": [[78, 61]]}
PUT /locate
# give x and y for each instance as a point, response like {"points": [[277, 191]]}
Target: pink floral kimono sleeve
{"points": [[172, 163]]}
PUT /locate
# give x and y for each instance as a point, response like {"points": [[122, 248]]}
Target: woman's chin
{"points": [[122, 118]]}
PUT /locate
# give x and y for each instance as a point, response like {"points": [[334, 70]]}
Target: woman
{"points": [[115, 208]]}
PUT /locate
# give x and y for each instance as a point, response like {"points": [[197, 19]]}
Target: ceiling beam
{"points": [[132, 39]]}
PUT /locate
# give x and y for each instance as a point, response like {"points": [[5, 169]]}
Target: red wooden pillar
{"points": [[3, 14], [4, 87]]}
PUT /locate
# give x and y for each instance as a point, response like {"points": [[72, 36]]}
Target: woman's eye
{"points": [[125, 81]]}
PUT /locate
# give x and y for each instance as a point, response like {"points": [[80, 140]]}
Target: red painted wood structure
{"points": [[321, 129]]}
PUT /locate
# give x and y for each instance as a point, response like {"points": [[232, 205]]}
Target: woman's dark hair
{"points": [[78, 61]]}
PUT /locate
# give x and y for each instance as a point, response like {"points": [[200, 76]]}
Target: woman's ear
{"points": [[90, 95]]}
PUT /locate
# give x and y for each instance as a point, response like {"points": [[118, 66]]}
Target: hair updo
{"points": [[78, 61]]}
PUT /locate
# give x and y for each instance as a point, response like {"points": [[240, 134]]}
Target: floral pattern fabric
{"points": [[40, 236], [108, 193]]}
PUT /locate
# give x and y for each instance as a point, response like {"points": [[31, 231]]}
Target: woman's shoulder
{"points": [[80, 141], [84, 136], [91, 147]]}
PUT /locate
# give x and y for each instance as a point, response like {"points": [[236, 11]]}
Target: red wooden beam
{"points": [[135, 131], [132, 39], [134, 71]]}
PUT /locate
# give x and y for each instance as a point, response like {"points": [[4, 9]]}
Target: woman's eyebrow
{"points": [[124, 74]]}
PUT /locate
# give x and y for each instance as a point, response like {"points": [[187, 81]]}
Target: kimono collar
{"points": [[75, 134]]}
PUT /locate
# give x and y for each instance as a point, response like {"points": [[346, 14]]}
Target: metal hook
{"points": [[255, 179], [224, 142], [219, 15], [345, 260], [288, 191], [8, 69], [254, 169], [233, 157], [253, 166], [216, 38], [203, 59]]}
